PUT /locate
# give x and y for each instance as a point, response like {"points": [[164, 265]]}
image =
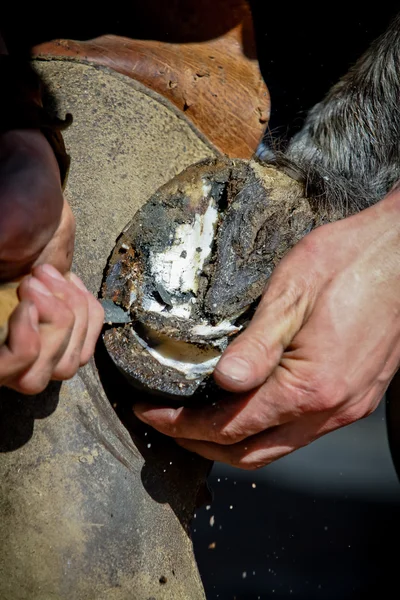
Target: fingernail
{"points": [[234, 368], [76, 281], [34, 317], [38, 286], [52, 272]]}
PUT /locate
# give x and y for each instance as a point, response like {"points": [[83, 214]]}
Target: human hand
{"points": [[319, 353], [50, 332]]}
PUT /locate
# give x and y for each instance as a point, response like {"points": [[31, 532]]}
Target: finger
{"points": [[56, 323], [266, 447], [252, 356], [77, 301], [96, 320], [228, 421], [23, 344]]}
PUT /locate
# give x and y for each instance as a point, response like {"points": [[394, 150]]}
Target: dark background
{"points": [[321, 524], [305, 47]]}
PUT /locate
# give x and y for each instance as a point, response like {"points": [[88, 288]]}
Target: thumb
{"points": [[254, 354]]}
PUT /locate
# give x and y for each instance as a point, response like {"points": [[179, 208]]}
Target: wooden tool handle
{"points": [[8, 303]]}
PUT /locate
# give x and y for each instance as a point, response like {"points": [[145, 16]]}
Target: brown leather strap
{"points": [[21, 107]]}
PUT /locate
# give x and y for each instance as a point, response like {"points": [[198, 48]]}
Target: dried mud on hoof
{"points": [[191, 266]]}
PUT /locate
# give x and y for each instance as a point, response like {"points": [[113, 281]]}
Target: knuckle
{"points": [[249, 463], [64, 316], [30, 350], [343, 419], [368, 411], [228, 435], [31, 385], [86, 355], [76, 294], [77, 303], [281, 294], [259, 348], [348, 415], [87, 351], [328, 396], [259, 344], [353, 413], [285, 306], [65, 373], [67, 367]]}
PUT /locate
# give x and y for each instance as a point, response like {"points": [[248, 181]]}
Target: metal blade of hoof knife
{"points": [[114, 313]]}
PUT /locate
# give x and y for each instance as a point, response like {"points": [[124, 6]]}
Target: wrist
{"points": [[381, 218]]}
